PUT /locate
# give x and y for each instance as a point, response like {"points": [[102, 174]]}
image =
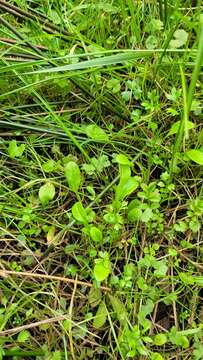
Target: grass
{"points": [[101, 180]]}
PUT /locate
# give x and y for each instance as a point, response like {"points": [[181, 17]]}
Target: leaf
{"points": [[96, 234], [135, 214], [73, 177], [51, 233], [180, 39], [94, 297], [102, 269], [100, 317], [176, 126], [79, 213], [119, 309], [49, 166], [147, 215], [46, 193], [14, 150], [23, 336], [178, 339], [96, 133], [99, 62], [151, 42], [122, 159], [126, 188], [146, 310], [196, 156], [156, 356], [114, 85], [160, 339]]}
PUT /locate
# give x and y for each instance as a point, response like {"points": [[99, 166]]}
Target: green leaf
{"points": [[95, 132], [23, 336], [100, 317], [176, 126], [119, 309], [73, 177], [134, 214], [196, 156], [122, 159], [99, 62], [146, 310], [180, 39], [49, 166], [79, 213], [178, 339], [46, 193], [14, 150], [94, 297], [160, 339], [156, 356], [125, 188], [96, 234], [114, 85], [151, 42], [102, 269]]}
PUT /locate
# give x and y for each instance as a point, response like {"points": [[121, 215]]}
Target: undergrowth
{"points": [[101, 197]]}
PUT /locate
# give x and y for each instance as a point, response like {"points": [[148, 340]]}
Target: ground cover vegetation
{"points": [[101, 164]]}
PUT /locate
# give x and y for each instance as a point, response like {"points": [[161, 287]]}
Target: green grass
{"points": [[101, 180]]}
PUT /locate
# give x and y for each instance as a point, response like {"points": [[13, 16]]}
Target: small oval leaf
{"points": [[196, 156], [100, 317], [46, 193], [96, 234], [96, 133], [118, 308], [73, 177], [79, 213], [23, 336], [102, 269], [94, 296]]}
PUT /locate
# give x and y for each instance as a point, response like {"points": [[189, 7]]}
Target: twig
{"points": [[32, 325], [5, 273]]}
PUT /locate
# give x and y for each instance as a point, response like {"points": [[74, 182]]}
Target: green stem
{"points": [[197, 67]]}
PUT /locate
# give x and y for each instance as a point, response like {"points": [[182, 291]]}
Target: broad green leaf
{"points": [[23, 336], [14, 150], [73, 177], [95, 132], [160, 339], [79, 213], [96, 234], [119, 309], [94, 296], [125, 188], [102, 269], [176, 126], [196, 156], [46, 193], [180, 39], [100, 317]]}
